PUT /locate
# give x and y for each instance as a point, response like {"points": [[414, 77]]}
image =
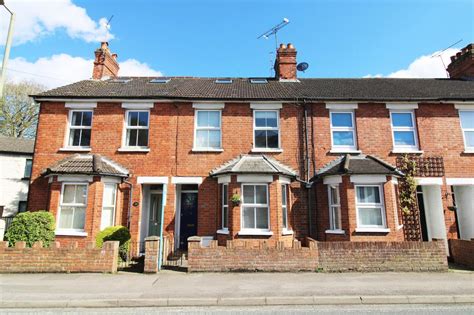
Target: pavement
{"points": [[178, 289]]}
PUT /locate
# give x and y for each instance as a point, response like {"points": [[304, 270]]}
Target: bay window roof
{"points": [[254, 164]]}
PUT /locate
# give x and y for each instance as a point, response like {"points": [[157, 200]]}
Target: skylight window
{"points": [[224, 81], [258, 81], [120, 80], [160, 80]]}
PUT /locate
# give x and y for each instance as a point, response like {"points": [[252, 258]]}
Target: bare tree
{"points": [[18, 111]]}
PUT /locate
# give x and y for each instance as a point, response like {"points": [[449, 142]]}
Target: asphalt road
{"points": [[267, 310]]}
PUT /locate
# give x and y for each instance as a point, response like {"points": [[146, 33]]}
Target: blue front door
{"points": [[188, 218]]}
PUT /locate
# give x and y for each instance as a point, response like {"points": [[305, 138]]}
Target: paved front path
{"points": [[249, 286]]}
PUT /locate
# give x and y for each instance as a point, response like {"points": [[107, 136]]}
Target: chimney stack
{"points": [[462, 64], [285, 63], [105, 63]]}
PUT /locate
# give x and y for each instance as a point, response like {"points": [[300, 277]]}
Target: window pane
{"points": [[79, 218], [272, 119], [225, 217], [65, 217], [225, 196], [368, 194], [28, 165], [143, 137], [68, 193], [272, 138], [262, 218], [370, 216], [341, 119], [334, 195], [213, 119], [266, 119], [81, 192], [283, 195], [133, 118], [76, 118], [143, 119], [202, 119], [335, 218], [469, 135], [343, 138], [107, 218], [404, 138], [249, 194], [248, 217], [261, 194], [132, 137], [87, 119], [86, 138], [202, 138], [402, 120], [260, 139], [467, 119], [285, 218], [109, 195], [214, 139], [74, 137]]}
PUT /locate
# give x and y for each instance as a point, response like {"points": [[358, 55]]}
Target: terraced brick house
{"points": [[277, 158]]}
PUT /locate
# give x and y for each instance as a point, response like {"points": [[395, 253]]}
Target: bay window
{"points": [[255, 211], [225, 207], [334, 208], [284, 205], [370, 206], [72, 208], [108, 205]]}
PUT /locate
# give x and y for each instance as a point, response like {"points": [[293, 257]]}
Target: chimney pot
{"points": [[105, 63], [462, 64], [285, 62], [290, 46]]}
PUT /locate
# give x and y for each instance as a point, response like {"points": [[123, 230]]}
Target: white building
{"points": [[16, 156]]}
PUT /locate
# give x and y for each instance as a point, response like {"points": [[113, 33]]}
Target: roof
{"points": [[87, 164], [357, 165], [253, 164], [190, 88], [16, 145]]}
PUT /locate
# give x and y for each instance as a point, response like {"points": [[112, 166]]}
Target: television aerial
{"points": [[274, 30], [439, 54]]}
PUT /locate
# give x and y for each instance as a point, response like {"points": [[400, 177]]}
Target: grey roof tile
{"points": [[87, 164], [16, 145], [253, 164], [373, 89]]}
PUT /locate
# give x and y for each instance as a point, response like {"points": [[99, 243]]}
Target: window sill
{"points": [[262, 150], [468, 151], [256, 232], [287, 232], [345, 151], [70, 233], [206, 150], [341, 232], [125, 149], [372, 230], [73, 149], [399, 151], [223, 231]]}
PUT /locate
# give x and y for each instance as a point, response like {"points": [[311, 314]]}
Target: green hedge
{"points": [[31, 227], [115, 233]]}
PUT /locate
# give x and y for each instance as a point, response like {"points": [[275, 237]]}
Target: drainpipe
{"points": [[308, 185], [163, 203]]}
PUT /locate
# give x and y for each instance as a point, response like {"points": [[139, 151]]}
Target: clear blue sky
{"points": [[218, 38]]}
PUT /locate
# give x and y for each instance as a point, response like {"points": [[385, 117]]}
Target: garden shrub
{"points": [[31, 227], [115, 233]]}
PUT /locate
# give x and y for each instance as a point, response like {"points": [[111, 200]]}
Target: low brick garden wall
{"points": [[462, 252], [241, 255], [38, 259], [382, 256]]}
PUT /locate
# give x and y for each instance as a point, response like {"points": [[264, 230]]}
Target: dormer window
{"points": [[223, 81], [258, 81], [160, 80]]}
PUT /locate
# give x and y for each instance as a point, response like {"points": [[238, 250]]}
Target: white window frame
{"points": [[224, 205], [70, 127], [61, 205], [334, 226], [464, 130], [343, 148], [254, 205], [404, 148], [380, 205], [196, 128], [114, 206], [284, 207], [127, 127], [277, 128]]}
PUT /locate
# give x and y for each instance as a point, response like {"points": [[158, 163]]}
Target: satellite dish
{"points": [[302, 66]]}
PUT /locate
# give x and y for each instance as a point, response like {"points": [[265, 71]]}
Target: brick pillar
{"points": [[112, 249], [152, 247]]}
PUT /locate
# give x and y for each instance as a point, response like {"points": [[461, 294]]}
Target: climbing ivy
{"points": [[407, 185]]}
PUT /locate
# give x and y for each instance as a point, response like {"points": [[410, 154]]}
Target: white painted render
{"points": [[13, 188], [434, 212], [465, 210]]}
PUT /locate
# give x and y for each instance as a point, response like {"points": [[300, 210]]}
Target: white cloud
{"points": [[63, 69], [35, 19], [423, 67]]}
